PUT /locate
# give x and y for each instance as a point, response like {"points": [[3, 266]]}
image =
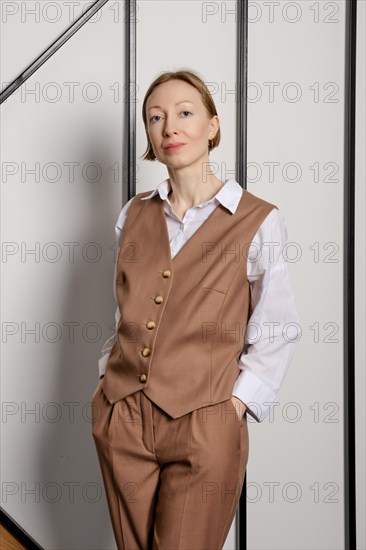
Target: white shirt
{"points": [[273, 325]]}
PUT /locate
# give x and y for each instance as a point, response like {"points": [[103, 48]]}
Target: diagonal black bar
{"points": [[19, 80], [18, 532], [241, 161], [349, 279]]}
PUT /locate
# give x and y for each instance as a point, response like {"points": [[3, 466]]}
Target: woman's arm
{"points": [[107, 346], [274, 326]]}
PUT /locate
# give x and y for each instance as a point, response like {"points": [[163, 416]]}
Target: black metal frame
{"points": [[51, 49], [349, 279], [241, 155], [18, 532], [241, 162], [242, 83], [132, 96]]}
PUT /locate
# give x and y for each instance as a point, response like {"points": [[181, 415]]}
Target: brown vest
{"points": [[183, 320]]}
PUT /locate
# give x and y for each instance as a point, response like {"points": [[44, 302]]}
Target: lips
{"points": [[174, 146]]}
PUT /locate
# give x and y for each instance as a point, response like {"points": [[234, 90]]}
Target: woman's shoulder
{"points": [[258, 201]]}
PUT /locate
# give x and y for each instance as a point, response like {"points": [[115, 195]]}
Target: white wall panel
{"points": [[182, 34], [360, 279], [28, 27], [55, 370], [295, 156], [63, 160]]}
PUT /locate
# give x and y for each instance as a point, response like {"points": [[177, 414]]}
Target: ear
{"points": [[214, 125]]}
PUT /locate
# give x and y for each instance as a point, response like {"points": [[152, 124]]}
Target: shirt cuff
{"points": [[255, 394], [102, 364]]}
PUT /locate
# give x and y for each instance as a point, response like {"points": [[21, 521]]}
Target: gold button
{"points": [[150, 325], [158, 299], [143, 377], [167, 273], [146, 352]]}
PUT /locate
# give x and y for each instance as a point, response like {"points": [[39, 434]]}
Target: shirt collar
{"points": [[229, 195]]}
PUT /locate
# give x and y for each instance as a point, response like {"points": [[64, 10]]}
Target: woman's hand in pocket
{"points": [[239, 405]]}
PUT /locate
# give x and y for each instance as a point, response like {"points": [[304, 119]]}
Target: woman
{"points": [[194, 269]]}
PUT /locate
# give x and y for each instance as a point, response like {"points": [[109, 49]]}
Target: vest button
{"points": [[150, 325], [146, 352], [142, 377], [158, 299], [167, 273]]}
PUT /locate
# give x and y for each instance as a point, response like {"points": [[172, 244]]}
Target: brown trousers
{"points": [[170, 483]]}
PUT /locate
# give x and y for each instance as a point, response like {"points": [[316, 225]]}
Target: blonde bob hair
{"points": [[191, 78]]}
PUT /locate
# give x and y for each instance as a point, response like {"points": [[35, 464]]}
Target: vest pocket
{"points": [[208, 306], [213, 289]]}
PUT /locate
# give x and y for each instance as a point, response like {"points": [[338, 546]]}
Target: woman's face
{"points": [[175, 113]]}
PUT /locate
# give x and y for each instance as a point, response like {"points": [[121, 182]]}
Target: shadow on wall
{"points": [[73, 502]]}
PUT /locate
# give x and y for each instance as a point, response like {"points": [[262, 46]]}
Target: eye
{"points": [[154, 116], [187, 112]]}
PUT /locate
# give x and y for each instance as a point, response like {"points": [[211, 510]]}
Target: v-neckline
{"points": [[166, 232]]}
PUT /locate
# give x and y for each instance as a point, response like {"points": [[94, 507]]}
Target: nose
{"points": [[169, 126]]}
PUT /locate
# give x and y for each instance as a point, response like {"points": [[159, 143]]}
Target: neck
{"points": [[185, 194]]}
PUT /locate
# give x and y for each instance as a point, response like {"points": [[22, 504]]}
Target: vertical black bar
{"points": [[241, 161], [132, 97], [349, 279], [242, 82]]}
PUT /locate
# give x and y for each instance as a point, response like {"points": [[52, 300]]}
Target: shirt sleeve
{"points": [[107, 346], [273, 326]]}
